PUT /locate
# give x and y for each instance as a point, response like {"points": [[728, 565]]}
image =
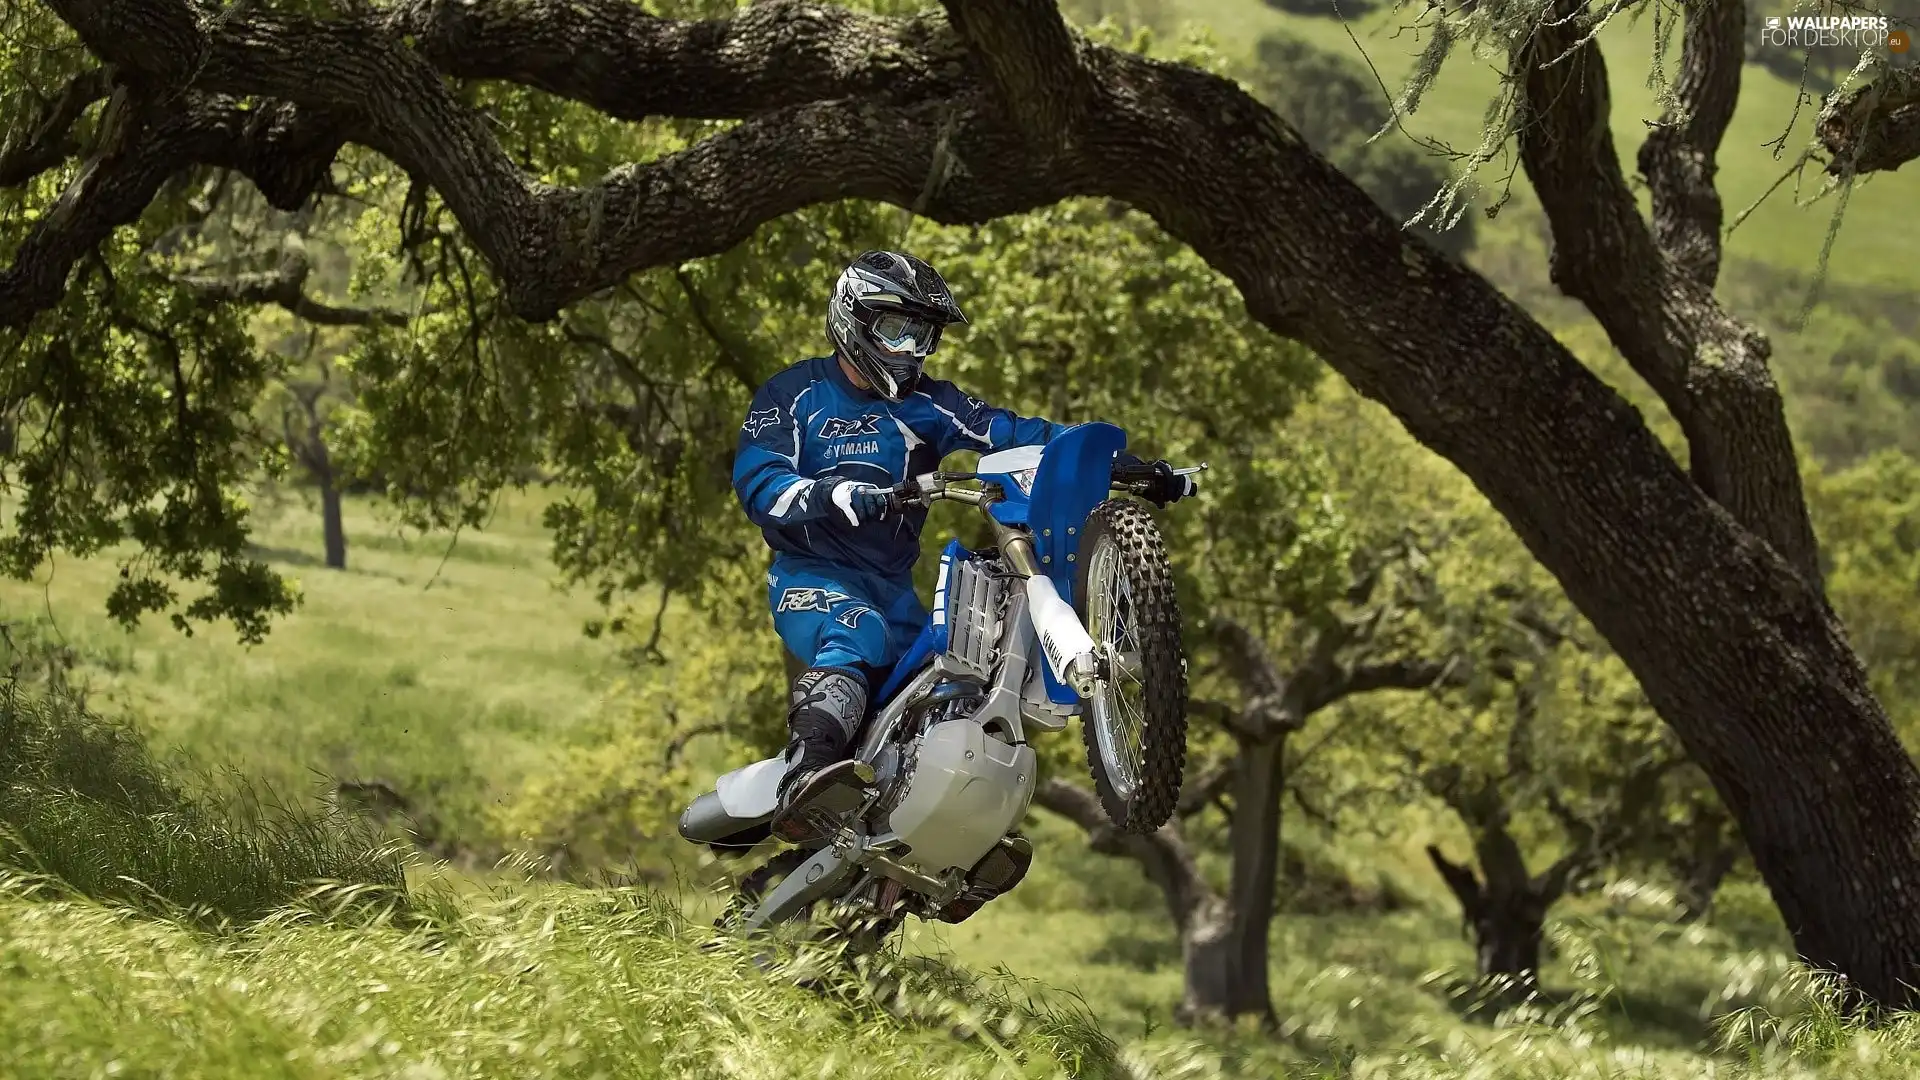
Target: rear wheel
{"points": [[1135, 723]]}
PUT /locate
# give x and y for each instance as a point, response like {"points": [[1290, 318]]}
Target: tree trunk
{"points": [[333, 525], [1218, 981], [1227, 958], [312, 453], [1700, 880], [1506, 914], [1506, 941]]}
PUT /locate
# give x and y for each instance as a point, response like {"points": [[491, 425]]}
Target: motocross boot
{"points": [[821, 785]]}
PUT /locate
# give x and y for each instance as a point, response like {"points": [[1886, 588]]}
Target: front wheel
{"points": [[1135, 723]]}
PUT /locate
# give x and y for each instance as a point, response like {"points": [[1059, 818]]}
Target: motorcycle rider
{"points": [[822, 441]]}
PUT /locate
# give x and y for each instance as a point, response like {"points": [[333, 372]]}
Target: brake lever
{"points": [[901, 496], [908, 492]]}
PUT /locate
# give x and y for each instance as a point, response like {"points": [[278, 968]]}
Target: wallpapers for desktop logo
{"points": [[1833, 31]]}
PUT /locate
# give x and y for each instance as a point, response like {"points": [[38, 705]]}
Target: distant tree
{"points": [[303, 423], [248, 254], [1328, 654], [1539, 732]]}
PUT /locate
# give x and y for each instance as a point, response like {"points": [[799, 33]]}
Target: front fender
{"points": [[1075, 475]]}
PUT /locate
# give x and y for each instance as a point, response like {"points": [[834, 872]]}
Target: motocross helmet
{"points": [[886, 316]]}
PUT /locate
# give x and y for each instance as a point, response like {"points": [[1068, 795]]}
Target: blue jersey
{"points": [[810, 422]]}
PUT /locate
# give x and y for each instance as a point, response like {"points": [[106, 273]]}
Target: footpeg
{"points": [[820, 807], [996, 873]]}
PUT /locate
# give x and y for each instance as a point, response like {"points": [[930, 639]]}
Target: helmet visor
{"points": [[904, 335]]}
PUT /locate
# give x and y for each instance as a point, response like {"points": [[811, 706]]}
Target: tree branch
{"points": [[285, 286], [284, 149], [1268, 712], [613, 56], [1653, 295], [730, 358], [1553, 882], [1461, 880], [1365, 678], [1033, 60], [1875, 127], [47, 140], [1196, 794], [1678, 158], [1163, 854]]}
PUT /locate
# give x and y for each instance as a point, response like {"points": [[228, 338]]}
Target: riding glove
{"points": [[858, 502], [1162, 485]]}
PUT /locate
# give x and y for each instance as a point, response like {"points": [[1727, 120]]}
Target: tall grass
{"points": [[85, 807], [555, 982]]}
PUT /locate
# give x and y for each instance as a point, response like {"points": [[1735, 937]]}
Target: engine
{"points": [[969, 599], [952, 789]]}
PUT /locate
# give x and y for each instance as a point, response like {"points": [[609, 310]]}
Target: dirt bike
{"points": [[1071, 613]]}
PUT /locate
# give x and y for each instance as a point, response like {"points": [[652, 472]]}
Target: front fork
{"points": [[1068, 647]]}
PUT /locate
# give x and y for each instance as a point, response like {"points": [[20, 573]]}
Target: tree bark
{"points": [[1873, 127], [1736, 649]]}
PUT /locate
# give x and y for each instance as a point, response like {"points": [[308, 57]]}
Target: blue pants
{"points": [[833, 617]]}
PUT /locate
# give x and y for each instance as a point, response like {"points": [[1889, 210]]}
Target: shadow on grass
{"points": [[295, 557], [1651, 1018], [1640, 1017]]}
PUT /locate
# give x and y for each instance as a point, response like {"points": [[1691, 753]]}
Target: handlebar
{"points": [[934, 486]]}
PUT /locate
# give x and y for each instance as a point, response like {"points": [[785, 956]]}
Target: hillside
{"points": [[1783, 232], [445, 670], [1849, 367]]}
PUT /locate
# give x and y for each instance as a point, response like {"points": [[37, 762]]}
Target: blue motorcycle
{"points": [[1071, 613]]}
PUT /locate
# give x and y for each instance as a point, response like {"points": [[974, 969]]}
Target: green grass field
{"points": [[448, 676], [560, 983]]}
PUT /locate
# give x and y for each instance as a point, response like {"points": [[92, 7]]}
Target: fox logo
{"points": [[810, 599], [837, 428], [850, 618], [760, 421]]}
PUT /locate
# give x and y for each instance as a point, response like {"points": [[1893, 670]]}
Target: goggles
{"points": [[905, 334]]}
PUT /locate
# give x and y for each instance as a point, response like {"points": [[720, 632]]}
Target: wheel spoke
{"points": [[1110, 611]]}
